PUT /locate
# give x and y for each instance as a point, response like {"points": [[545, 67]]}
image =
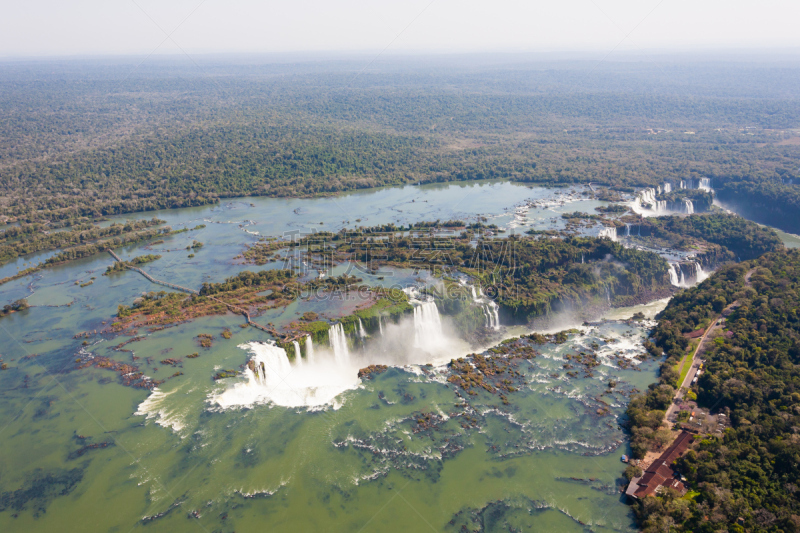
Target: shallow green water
{"points": [[545, 462], [790, 240]]}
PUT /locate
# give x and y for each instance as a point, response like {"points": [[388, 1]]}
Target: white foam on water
{"points": [[159, 408]]}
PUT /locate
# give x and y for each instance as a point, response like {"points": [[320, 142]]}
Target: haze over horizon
{"points": [[145, 27]]}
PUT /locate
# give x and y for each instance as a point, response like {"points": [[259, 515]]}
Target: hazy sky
{"points": [[78, 27]]}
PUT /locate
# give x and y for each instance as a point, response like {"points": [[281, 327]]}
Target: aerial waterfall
{"points": [[700, 273], [338, 341], [298, 359], [491, 311], [673, 276], [493, 315], [610, 233], [676, 275], [646, 200], [309, 349], [271, 377], [361, 332], [427, 324], [270, 366]]}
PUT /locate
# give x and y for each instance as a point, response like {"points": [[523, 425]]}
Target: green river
{"points": [[324, 451]]}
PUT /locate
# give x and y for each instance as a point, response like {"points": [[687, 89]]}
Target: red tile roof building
{"points": [[660, 473]]}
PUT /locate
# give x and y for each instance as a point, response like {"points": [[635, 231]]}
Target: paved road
{"points": [[695, 362]]}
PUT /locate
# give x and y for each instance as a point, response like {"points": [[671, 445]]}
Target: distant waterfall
{"points": [[610, 233], [298, 359], [491, 311], [627, 230], [667, 187], [673, 276], [309, 350], [688, 206], [269, 367], [380, 324], [361, 332], [702, 183], [676, 276], [427, 324], [338, 342], [646, 199], [700, 273], [493, 315], [687, 274]]}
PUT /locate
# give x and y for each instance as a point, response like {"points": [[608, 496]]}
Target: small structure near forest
{"points": [[660, 473]]}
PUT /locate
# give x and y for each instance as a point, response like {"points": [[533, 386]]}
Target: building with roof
{"points": [[660, 474]]}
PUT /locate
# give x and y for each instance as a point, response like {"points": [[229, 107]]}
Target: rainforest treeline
{"points": [[86, 146]]}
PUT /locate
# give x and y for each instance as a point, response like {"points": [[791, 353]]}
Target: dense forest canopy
{"points": [[90, 139], [752, 374]]}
